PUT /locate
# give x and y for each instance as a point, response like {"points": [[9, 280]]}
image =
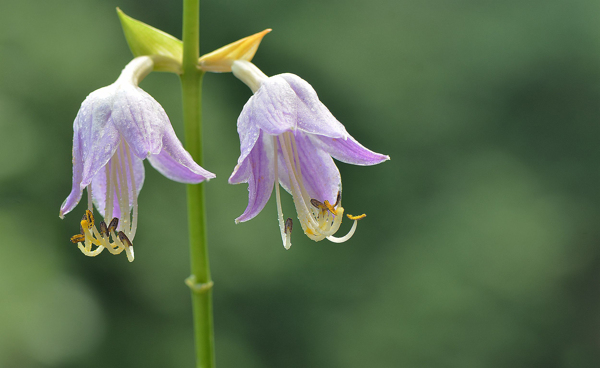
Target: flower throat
{"points": [[120, 186]]}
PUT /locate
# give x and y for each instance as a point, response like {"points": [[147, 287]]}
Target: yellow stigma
{"points": [[356, 217]]}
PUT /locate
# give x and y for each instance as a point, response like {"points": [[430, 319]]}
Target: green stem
{"points": [[199, 280]]}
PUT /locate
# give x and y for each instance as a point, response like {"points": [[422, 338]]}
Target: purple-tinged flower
{"points": [[289, 137], [116, 128]]}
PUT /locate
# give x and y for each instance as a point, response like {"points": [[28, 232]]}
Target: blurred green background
{"points": [[481, 245]]}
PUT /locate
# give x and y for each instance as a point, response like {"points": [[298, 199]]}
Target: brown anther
{"points": [[317, 204], [77, 238], [103, 229], [124, 239], [338, 199], [356, 217], [288, 225], [112, 226], [89, 217], [330, 207]]}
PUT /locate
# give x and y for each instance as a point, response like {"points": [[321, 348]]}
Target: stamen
{"points": [[317, 204], [103, 229], [288, 226], [89, 217], [133, 193], [330, 207], [128, 246], [124, 190], [299, 196], [112, 226], [285, 238], [77, 238], [356, 217], [123, 238]]}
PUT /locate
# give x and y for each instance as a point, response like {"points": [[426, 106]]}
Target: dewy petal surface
{"points": [[95, 140], [272, 108], [123, 111], [140, 119], [261, 177], [248, 132], [312, 115], [349, 151]]}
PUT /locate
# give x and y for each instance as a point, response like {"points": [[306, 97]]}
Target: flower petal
{"points": [[248, 132], [140, 119], [272, 108], [261, 177], [320, 175], [175, 163], [349, 151], [99, 184], [95, 140], [312, 116]]}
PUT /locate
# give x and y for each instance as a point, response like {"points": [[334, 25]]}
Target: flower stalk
{"points": [[199, 281]]}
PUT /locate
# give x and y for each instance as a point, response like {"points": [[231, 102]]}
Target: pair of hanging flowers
{"points": [[287, 137]]}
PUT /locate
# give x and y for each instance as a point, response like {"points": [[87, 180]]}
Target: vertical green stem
{"points": [[199, 281]]}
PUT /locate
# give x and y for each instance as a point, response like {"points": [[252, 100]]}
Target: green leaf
{"points": [[166, 50]]}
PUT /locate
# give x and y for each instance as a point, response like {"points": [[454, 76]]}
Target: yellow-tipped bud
{"points": [[220, 60]]}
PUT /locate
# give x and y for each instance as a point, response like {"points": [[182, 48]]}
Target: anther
{"points": [[89, 216], [112, 226], [356, 217], [330, 207], [83, 223], [317, 204], [288, 225], [103, 229], [77, 238], [123, 238]]}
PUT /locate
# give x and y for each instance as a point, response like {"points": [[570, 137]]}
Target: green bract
{"points": [[166, 51]]}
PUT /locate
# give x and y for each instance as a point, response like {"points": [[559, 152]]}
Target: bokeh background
{"points": [[482, 243]]}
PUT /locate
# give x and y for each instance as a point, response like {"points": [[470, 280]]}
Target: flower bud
{"points": [[220, 60], [166, 50]]}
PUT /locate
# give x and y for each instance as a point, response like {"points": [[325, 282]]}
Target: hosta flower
{"points": [[116, 128], [289, 137]]}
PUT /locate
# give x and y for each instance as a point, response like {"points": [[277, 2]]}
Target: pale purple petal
{"points": [[261, 177], [349, 151], [95, 140], [272, 108], [99, 184], [320, 176], [76, 190], [175, 163], [248, 132], [241, 172], [312, 116], [140, 119]]}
